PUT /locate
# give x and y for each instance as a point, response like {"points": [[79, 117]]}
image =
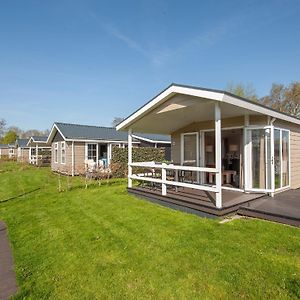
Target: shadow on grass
{"points": [[18, 196], [92, 185]]}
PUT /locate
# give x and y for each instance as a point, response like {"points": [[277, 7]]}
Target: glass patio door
{"points": [[258, 159], [281, 158]]}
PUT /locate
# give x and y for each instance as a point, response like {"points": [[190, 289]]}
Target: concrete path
{"points": [[8, 283]]}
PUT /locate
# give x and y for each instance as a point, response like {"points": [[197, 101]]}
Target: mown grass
{"points": [[99, 243]]}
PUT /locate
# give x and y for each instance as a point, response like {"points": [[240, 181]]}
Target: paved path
{"points": [[8, 284]]}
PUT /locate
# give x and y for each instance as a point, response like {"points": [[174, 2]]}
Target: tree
{"points": [[276, 98], [34, 132], [2, 127], [17, 130], [116, 121], [292, 99], [284, 98], [9, 137], [242, 90]]}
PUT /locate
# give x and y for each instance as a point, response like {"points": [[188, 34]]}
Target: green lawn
{"points": [[99, 243]]}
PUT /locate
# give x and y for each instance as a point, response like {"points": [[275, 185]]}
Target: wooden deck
{"points": [[283, 208], [196, 201]]}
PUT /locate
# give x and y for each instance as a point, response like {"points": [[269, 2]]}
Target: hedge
{"points": [[119, 160]]}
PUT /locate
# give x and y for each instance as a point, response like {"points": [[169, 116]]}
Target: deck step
{"points": [[184, 202], [254, 213]]}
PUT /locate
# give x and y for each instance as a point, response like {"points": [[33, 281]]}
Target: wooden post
{"points": [[164, 179], [73, 160], [129, 157], [36, 153], [218, 158]]}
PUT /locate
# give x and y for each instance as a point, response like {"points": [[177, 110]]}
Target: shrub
{"points": [[119, 158]]}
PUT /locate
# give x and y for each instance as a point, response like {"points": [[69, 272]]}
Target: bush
{"points": [[119, 160]]}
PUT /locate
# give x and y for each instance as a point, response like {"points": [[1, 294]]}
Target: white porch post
{"points": [[36, 153], [163, 178], [245, 160], [129, 157], [218, 157], [109, 154], [73, 160], [29, 155]]}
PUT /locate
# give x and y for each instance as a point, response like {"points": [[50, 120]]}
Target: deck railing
{"points": [[164, 180]]}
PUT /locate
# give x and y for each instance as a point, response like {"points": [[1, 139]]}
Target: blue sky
{"points": [[89, 61]]}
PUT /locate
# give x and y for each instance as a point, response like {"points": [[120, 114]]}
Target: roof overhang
{"points": [[150, 140], [55, 129], [185, 104], [32, 140], [52, 133]]}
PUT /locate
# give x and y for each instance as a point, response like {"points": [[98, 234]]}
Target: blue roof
{"points": [[3, 146], [22, 143], [87, 132], [40, 138]]}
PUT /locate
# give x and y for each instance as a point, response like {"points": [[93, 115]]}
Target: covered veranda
{"points": [[181, 112], [39, 151]]}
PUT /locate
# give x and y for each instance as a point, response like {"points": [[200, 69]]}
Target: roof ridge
{"points": [[73, 124]]}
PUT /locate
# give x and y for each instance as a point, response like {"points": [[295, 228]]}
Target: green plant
{"points": [[119, 159]]}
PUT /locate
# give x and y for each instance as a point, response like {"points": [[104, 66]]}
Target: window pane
{"points": [[190, 149], [277, 163], [260, 158], [285, 158], [92, 151]]}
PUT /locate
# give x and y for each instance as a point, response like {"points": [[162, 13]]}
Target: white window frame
{"points": [[248, 159], [56, 153], [182, 146], [63, 148], [289, 156], [87, 151]]}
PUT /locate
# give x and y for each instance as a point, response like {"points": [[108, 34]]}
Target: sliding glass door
{"points": [[258, 171], [267, 161], [281, 158]]}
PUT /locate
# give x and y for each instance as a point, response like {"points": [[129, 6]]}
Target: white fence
{"points": [[164, 181]]}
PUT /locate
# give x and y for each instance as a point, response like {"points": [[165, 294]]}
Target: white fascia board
{"points": [[207, 94], [54, 127], [145, 108], [217, 96], [259, 109], [149, 140], [98, 141], [29, 141]]}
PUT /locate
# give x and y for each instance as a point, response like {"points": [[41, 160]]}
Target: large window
{"points": [[92, 152], [190, 149], [285, 158], [277, 160], [55, 152], [260, 162], [281, 158], [63, 152]]}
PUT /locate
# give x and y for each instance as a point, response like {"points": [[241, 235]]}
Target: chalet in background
{"points": [[22, 150], [75, 146], [39, 151]]}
